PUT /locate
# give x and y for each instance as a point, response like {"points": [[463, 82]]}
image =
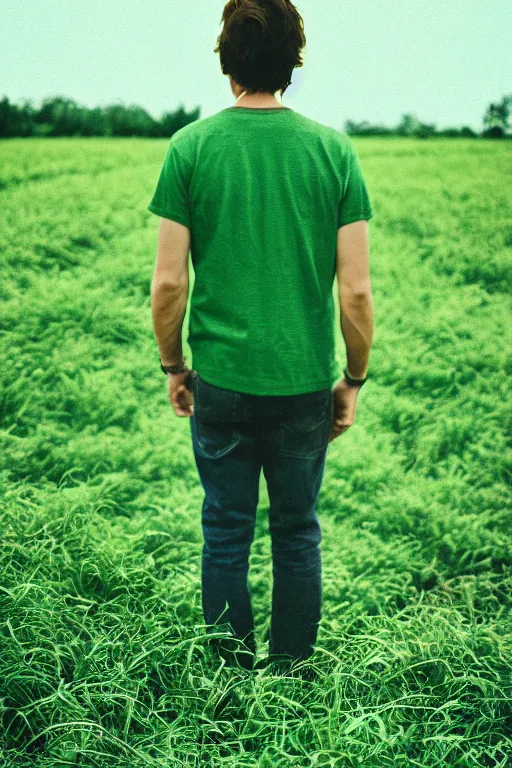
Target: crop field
{"points": [[104, 658]]}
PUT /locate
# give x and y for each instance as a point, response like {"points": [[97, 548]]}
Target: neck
{"points": [[256, 100]]}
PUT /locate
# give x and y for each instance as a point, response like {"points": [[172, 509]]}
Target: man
{"points": [[272, 205]]}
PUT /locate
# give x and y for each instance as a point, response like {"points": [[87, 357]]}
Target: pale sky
{"points": [[442, 60]]}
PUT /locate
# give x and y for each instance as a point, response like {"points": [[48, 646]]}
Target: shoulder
{"points": [[332, 137], [191, 133], [186, 141]]}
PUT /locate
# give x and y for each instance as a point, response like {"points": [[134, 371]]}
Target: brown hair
{"points": [[260, 44]]}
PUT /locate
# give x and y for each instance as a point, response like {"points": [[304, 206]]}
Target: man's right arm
{"points": [[355, 294]]}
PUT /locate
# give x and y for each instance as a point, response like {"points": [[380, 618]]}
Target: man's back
{"points": [[263, 192]]}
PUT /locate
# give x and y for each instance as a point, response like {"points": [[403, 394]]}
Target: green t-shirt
{"points": [[263, 192]]}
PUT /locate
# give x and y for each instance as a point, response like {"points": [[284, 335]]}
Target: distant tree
{"points": [[7, 115], [496, 118], [170, 122], [365, 128], [64, 115], [96, 123], [467, 131], [449, 132], [408, 125], [455, 132], [128, 121], [361, 128], [424, 130], [16, 120]]}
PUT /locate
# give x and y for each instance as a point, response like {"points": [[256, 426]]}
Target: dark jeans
{"points": [[236, 435]]}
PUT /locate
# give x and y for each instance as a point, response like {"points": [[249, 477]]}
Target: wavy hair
{"points": [[261, 43]]}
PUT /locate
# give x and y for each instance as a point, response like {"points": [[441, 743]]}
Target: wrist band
{"points": [[351, 380], [177, 368]]}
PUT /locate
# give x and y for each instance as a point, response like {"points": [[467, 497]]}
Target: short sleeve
{"points": [[171, 197], [355, 203]]}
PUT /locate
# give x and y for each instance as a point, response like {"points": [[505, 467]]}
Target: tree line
{"points": [[495, 123], [60, 116]]}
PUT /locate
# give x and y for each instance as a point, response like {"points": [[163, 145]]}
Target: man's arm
{"points": [[355, 294], [169, 289]]}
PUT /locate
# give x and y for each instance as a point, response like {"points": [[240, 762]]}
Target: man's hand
{"points": [[345, 403], [181, 398]]}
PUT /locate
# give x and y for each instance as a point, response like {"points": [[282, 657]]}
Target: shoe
{"points": [[274, 664], [296, 668], [243, 659], [234, 654], [305, 672], [262, 663]]}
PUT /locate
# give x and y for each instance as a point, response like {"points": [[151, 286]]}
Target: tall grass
{"points": [[104, 659]]}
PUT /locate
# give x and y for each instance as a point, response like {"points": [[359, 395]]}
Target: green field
{"points": [[103, 655]]}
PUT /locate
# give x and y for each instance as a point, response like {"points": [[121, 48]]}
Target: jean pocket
{"points": [[216, 439], [216, 419], [306, 433]]}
